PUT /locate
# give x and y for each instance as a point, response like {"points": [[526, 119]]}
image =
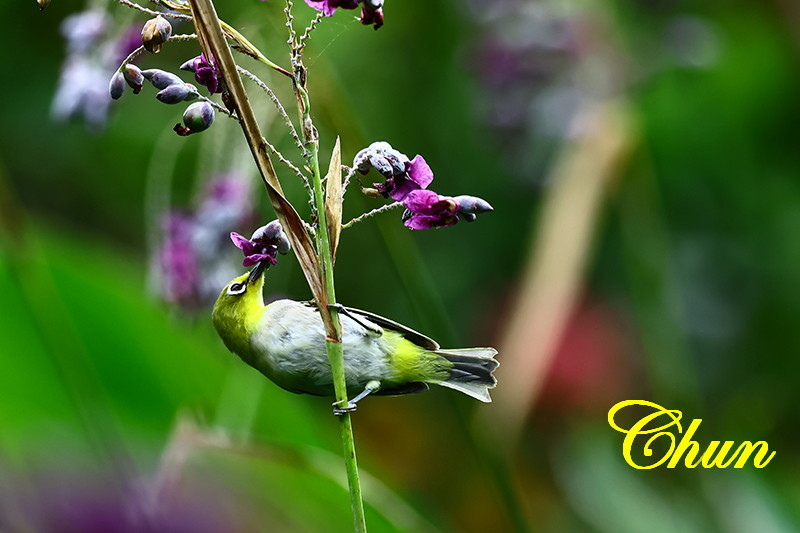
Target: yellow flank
{"points": [[414, 363]]}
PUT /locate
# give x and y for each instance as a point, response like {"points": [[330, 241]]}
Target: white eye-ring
{"points": [[236, 288]]}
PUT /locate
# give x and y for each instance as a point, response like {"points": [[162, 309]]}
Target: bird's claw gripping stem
{"points": [[339, 411], [351, 406]]}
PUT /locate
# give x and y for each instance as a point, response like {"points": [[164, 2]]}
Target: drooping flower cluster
{"points": [[172, 89], [407, 181], [371, 10], [263, 246], [190, 263]]}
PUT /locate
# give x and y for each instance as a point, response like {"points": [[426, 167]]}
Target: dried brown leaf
{"points": [[333, 198]]}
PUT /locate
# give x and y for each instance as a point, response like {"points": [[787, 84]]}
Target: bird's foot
{"points": [[350, 405], [340, 410]]}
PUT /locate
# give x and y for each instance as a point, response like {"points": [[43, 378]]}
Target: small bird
{"points": [[285, 341]]}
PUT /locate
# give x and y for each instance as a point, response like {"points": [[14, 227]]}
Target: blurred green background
{"points": [[642, 160]]}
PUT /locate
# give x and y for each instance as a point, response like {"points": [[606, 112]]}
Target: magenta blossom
{"points": [[265, 244], [402, 176], [328, 7], [372, 13], [178, 262], [371, 10], [418, 176], [426, 209], [205, 72]]}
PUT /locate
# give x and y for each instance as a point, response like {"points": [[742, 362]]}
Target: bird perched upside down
{"points": [[285, 341]]}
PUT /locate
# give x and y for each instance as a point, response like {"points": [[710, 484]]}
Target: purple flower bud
{"points": [[193, 94], [473, 204], [266, 242], [381, 164], [198, 117], [116, 87], [161, 79], [206, 73], [382, 157], [133, 75], [188, 65], [174, 94], [155, 33]]}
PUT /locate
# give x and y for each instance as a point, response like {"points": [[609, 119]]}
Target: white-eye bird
{"points": [[285, 341]]}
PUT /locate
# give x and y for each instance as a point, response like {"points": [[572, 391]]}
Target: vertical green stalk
{"points": [[317, 264], [333, 328]]}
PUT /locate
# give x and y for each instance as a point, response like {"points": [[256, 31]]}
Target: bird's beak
{"points": [[256, 272]]}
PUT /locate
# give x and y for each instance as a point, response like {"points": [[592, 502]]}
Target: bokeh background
{"points": [[642, 160]]}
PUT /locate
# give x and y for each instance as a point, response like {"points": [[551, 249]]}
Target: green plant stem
{"points": [[333, 329]]}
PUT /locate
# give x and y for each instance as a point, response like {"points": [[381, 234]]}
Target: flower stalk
{"points": [[317, 264], [328, 208]]}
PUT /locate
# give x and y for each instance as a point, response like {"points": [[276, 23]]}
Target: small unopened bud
{"points": [[379, 163], [161, 79], [273, 234], [268, 232], [133, 75], [198, 116], [116, 87], [43, 4], [369, 191], [189, 65], [174, 94], [473, 204], [155, 33]]}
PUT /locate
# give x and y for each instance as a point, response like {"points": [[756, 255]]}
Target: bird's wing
{"points": [[414, 336]]}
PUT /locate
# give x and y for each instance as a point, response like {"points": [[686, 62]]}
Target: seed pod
{"points": [[198, 116], [161, 79], [174, 94], [116, 87], [155, 33], [133, 75]]}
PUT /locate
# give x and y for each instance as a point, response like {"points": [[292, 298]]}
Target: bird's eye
{"points": [[236, 288]]}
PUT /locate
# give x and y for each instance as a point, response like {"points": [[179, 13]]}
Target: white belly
{"points": [[289, 348]]}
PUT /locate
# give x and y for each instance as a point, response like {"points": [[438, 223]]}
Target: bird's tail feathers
{"points": [[472, 371]]}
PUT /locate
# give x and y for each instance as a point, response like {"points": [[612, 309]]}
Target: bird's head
{"points": [[238, 308]]}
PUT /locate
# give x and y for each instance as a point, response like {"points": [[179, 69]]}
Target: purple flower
{"points": [[402, 176], [205, 72], [265, 244], [418, 175], [177, 260], [426, 209], [190, 263], [372, 13], [371, 10], [328, 7]]}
